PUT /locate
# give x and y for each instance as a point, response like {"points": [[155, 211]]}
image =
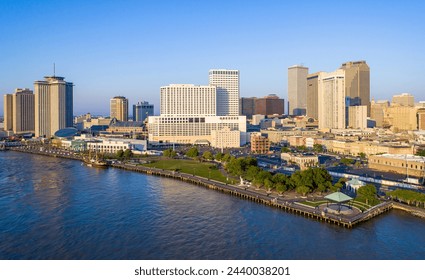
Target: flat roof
{"points": [[403, 157]]}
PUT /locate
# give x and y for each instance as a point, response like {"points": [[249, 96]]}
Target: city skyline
{"points": [[109, 49]]}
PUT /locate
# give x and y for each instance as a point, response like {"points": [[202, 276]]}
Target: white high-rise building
{"points": [[331, 96], [188, 100], [227, 83], [357, 117], [297, 90], [189, 113], [53, 102]]}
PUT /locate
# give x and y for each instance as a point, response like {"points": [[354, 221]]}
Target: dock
{"points": [[267, 199], [249, 193]]}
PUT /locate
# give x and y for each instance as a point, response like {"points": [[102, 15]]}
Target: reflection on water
{"points": [[58, 209]]}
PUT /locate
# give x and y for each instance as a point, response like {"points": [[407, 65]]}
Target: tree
{"points": [[336, 187], [208, 155], [302, 148], [368, 192], [218, 156], [268, 184], [169, 153], [347, 161], [420, 152], [128, 153], [251, 172], [303, 190], [362, 155], [235, 166], [285, 150], [280, 187], [226, 158], [318, 148], [250, 161], [192, 152], [120, 153], [260, 178]]}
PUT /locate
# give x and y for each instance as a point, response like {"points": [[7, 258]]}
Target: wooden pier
{"points": [[268, 199], [251, 194]]}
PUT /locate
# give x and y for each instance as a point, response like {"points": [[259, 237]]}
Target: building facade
{"points": [[227, 84], [119, 108], [312, 110], [247, 106], [401, 118], [331, 105], [192, 130], [303, 161], [189, 113], [357, 82], [297, 90], [404, 99], [8, 112], [225, 138], [421, 118], [408, 165], [53, 105], [188, 100], [269, 105], [377, 111], [357, 117], [259, 144], [142, 110]]}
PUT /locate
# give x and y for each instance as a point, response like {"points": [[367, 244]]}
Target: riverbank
{"points": [[287, 203]]}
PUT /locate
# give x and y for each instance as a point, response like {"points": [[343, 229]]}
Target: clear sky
{"points": [[131, 48]]}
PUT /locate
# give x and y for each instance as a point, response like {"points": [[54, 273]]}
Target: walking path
{"points": [[288, 203]]}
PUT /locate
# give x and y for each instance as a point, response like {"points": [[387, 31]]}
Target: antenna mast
{"points": [[54, 70]]}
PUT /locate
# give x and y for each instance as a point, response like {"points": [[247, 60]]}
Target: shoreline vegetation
{"points": [[302, 202]]}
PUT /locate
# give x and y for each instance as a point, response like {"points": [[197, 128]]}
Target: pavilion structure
{"points": [[354, 184], [339, 198]]}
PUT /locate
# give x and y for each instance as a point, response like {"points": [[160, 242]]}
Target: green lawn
{"points": [[369, 203], [202, 169], [359, 204], [313, 203]]}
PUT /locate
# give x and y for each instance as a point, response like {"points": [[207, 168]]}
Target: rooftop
{"points": [[403, 157]]}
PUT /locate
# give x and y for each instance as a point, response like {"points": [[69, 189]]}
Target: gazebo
{"points": [[339, 198], [354, 184]]}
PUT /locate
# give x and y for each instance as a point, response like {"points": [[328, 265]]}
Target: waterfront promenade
{"points": [[288, 203]]}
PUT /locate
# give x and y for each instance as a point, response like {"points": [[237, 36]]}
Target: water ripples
{"points": [[59, 209]]}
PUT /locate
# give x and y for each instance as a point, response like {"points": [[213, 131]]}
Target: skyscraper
{"points": [[53, 101], [247, 106], [19, 111], [119, 108], [269, 105], [8, 112], [357, 82], [297, 90], [331, 92], [142, 110], [227, 83], [188, 100], [312, 95]]}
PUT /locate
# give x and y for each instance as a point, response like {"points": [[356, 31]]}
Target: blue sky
{"points": [[131, 48]]}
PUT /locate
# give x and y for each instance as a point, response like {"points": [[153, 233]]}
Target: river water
{"points": [[59, 209]]}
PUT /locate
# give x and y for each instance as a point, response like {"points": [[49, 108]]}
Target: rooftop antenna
{"points": [[54, 70]]}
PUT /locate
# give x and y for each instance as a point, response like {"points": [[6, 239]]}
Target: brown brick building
{"points": [[268, 105]]}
